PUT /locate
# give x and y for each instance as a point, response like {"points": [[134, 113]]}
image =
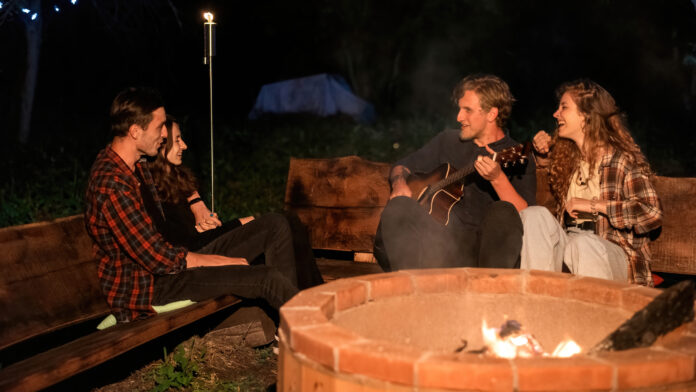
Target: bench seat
{"points": [[48, 281]]}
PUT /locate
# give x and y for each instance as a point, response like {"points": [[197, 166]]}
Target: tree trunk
{"points": [[33, 39]]}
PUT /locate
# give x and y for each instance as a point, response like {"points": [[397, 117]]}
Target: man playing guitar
{"points": [[483, 227]]}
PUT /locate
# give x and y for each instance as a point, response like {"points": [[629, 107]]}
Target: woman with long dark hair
{"points": [[600, 180], [185, 220]]}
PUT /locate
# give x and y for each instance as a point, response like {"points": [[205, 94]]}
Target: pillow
{"points": [[110, 320]]}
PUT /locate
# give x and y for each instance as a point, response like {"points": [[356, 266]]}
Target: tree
{"points": [[31, 12]]}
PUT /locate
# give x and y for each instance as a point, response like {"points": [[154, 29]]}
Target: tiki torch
{"points": [[208, 53]]}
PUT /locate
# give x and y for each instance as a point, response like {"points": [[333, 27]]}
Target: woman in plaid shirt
{"points": [[606, 204]]}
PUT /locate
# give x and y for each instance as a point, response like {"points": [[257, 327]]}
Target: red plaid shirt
{"points": [[129, 248]]}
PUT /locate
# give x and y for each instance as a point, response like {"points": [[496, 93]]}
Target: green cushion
{"points": [[110, 320]]}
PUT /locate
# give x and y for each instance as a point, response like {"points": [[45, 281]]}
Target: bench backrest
{"points": [[341, 199], [48, 279]]}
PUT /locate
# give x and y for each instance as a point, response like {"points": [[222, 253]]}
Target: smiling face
{"points": [[471, 116], [570, 121], [178, 146], [149, 139]]}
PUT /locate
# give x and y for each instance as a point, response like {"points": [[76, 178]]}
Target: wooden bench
{"points": [[340, 200], [48, 281]]}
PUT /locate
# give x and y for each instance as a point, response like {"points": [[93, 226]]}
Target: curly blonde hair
{"points": [[604, 128]]}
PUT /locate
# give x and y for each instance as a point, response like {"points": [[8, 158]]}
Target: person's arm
{"points": [[397, 179], [492, 172], [195, 260], [423, 160], [640, 208], [205, 219], [134, 231]]}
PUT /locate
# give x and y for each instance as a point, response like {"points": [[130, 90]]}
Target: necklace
{"points": [[580, 179]]}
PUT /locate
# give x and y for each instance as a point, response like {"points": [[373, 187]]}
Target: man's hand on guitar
{"points": [[486, 167]]}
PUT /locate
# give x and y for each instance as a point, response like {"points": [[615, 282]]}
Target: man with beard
{"points": [[483, 228]]}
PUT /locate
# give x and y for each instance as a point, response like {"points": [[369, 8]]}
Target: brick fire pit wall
{"points": [[398, 332]]}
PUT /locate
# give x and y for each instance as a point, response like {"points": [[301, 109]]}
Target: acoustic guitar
{"points": [[439, 190]]}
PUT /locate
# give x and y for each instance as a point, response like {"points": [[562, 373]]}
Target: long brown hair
{"points": [[604, 128], [174, 183]]}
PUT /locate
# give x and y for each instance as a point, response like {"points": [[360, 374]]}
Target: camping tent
{"points": [[322, 95]]}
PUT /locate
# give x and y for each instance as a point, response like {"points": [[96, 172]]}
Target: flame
{"points": [[511, 341], [208, 16], [566, 349]]}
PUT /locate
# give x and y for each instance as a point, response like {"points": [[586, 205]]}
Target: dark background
{"points": [[404, 56]]}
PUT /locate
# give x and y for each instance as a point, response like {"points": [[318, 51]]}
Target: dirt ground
{"points": [[222, 365]]}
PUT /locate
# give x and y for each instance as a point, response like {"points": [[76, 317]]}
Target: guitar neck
{"points": [[452, 178], [457, 176]]}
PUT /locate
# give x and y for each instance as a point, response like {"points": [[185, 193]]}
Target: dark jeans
{"points": [[276, 281], [407, 237]]}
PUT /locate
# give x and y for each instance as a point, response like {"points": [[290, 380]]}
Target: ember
{"points": [[512, 341]]}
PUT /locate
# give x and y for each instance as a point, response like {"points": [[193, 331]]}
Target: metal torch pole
{"points": [[209, 52]]}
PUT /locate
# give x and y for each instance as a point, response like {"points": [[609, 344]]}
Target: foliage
{"points": [[179, 371]]}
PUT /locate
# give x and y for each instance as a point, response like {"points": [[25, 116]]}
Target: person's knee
{"points": [[502, 210], [277, 221], [504, 216], [398, 210], [534, 215]]}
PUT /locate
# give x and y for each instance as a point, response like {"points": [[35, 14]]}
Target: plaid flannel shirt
{"points": [[633, 211], [129, 248]]}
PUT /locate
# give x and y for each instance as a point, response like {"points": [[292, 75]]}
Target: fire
{"points": [[512, 341]]}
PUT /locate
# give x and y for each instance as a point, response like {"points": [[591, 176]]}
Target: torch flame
{"points": [[208, 16]]}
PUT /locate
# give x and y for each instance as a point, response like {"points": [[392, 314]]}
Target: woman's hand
{"points": [[576, 204], [205, 219], [542, 142]]}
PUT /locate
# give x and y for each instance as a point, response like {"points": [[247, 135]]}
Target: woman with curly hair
{"points": [[600, 180], [185, 220]]}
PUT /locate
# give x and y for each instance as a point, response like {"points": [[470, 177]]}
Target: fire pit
{"points": [[399, 332]]}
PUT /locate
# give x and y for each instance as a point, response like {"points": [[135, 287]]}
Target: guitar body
{"points": [[440, 203]]}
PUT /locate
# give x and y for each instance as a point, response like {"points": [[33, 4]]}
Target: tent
{"points": [[322, 95]]}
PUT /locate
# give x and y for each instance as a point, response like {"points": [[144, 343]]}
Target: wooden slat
{"points": [[348, 229], [337, 269], [48, 280], [337, 182], [55, 365], [674, 251]]}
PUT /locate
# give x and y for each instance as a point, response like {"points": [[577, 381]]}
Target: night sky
{"points": [[404, 56]]}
